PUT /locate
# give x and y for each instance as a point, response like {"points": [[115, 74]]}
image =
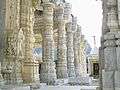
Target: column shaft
{"points": [[77, 41], [70, 51], [30, 66], [61, 46], [48, 72]]}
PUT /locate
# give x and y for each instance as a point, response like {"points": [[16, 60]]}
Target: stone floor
{"points": [[42, 86], [51, 88], [69, 88]]}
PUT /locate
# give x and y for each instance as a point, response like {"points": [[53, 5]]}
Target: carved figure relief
{"points": [[20, 43]]}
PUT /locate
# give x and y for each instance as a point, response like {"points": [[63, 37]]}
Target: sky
{"points": [[89, 14]]}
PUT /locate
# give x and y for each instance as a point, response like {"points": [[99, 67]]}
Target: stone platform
{"points": [[45, 87], [69, 88], [11, 87]]}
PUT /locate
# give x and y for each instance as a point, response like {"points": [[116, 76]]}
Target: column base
{"points": [[117, 80], [30, 72], [61, 71], [48, 73], [108, 80]]}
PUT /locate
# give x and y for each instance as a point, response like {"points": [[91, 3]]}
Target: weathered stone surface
{"points": [[61, 66], [10, 73], [30, 66], [117, 80], [2, 29], [117, 50], [1, 78], [118, 10], [77, 41], [67, 12], [111, 44], [104, 21], [108, 80], [70, 51], [112, 22], [12, 87], [101, 61], [118, 58], [48, 72], [110, 54], [83, 68]]}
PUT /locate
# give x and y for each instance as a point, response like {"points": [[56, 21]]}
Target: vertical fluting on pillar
{"points": [[70, 51], [48, 72], [61, 66], [77, 41]]}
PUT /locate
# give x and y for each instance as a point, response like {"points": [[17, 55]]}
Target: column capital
{"points": [[48, 7], [67, 11], [109, 39]]}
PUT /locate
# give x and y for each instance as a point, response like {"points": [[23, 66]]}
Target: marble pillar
{"points": [[112, 16], [67, 12], [11, 62], [48, 72], [70, 51], [101, 64], [110, 52], [77, 41], [110, 72], [83, 67], [118, 10], [30, 68], [117, 72], [2, 36], [110, 62], [61, 66]]}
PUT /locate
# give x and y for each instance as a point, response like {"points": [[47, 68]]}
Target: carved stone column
{"points": [[110, 62], [61, 67], [112, 19], [70, 51], [10, 64], [101, 61], [118, 10], [67, 12], [48, 72], [117, 73], [77, 41], [110, 74], [2, 36], [83, 68], [30, 70]]}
